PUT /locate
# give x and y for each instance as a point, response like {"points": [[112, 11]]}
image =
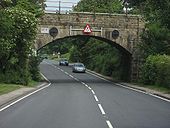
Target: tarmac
{"points": [[11, 96]]}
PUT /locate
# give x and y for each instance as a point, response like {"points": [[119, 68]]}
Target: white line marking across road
{"points": [[24, 97], [101, 109], [97, 100], [109, 124]]}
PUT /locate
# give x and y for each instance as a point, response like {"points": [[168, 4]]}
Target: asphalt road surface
{"points": [[82, 100]]}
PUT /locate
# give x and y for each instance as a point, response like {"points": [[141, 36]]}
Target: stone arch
{"points": [[126, 55]]}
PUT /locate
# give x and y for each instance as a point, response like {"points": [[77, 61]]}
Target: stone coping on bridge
{"points": [[92, 13]]}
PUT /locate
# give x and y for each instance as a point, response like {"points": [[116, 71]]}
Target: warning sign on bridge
{"points": [[87, 29]]}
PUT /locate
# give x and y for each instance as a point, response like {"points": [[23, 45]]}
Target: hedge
{"points": [[156, 70]]}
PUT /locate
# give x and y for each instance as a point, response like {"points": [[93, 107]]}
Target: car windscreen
{"points": [[79, 65]]}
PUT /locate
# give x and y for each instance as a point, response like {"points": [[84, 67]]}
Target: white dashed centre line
{"points": [[71, 76], [109, 124], [101, 109], [93, 92], [96, 98], [66, 73], [89, 88]]}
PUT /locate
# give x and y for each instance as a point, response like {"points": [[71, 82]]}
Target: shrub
{"points": [[15, 77], [156, 70], [34, 62]]}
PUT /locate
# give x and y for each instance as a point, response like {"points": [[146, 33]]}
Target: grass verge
{"points": [[6, 88], [159, 88], [32, 84]]}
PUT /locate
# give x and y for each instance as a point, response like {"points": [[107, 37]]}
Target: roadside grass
{"points": [[6, 88], [159, 88], [32, 83]]}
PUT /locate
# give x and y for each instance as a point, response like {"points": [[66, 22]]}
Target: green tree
{"points": [[102, 6], [18, 23]]}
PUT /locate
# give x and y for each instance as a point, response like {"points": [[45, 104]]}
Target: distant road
{"points": [[81, 100]]}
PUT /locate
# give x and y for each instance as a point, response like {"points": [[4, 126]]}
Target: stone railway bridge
{"points": [[102, 25]]}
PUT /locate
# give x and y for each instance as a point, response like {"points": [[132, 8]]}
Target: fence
{"points": [[58, 6]]}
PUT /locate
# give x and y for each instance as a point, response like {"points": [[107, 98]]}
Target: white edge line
{"points": [[164, 99], [109, 124], [144, 92], [44, 77], [99, 77], [101, 109], [97, 100], [24, 97]]}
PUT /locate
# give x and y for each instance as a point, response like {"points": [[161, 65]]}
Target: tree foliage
{"points": [[18, 24], [102, 6]]}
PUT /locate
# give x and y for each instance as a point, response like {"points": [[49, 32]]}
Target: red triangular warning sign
{"points": [[87, 29]]}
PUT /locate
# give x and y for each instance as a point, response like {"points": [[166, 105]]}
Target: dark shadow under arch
{"points": [[126, 55], [114, 44]]}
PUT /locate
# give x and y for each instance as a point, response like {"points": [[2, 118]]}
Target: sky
{"points": [[66, 5]]}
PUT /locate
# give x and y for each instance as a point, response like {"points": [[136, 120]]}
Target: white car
{"points": [[78, 67]]}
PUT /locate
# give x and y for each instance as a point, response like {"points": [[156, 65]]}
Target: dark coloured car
{"points": [[79, 67], [63, 62]]}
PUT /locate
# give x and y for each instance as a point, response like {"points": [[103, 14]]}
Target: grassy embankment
{"points": [[6, 88], [159, 88]]}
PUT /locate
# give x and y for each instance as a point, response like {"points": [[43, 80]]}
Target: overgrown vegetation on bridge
{"points": [[18, 23]]}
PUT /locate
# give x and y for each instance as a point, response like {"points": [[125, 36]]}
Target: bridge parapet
{"points": [[102, 25]]}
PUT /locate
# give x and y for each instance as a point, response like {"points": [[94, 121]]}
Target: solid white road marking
{"points": [[44, 77], [109, 124], [143, 92], [24, 97], [96, 98], [99, 77], [101, 109]]}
